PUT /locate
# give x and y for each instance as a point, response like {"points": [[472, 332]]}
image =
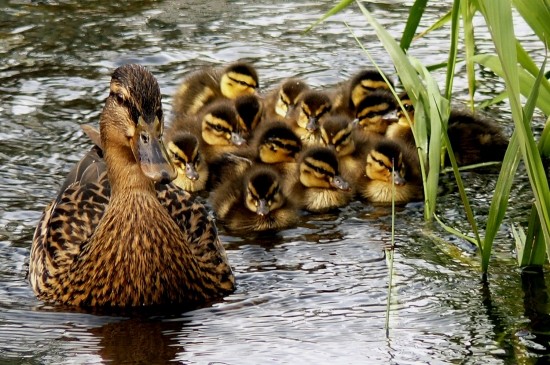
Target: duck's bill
{"points": [[338, 182], [151, 153]]}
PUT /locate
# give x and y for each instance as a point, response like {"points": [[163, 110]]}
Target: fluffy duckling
{"points": [[126, 238], [390, 161], [402, 129], [217, 128], [202, 87], [348, 96], [338, 132], [184, 149], [317, 186], [307, 115], [280, 101], [276, 145], [375, 114], [249, 108], [254, 202], [475, 139]]}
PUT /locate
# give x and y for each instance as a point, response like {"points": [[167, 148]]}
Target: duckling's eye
{"points": [[283, 100], [370, 115], [408, 107], [218, 128], [273, 147]]}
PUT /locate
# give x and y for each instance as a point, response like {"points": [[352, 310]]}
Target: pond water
{"points": [[314, 294]]}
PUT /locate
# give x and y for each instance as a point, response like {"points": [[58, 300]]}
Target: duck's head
{"points": [[373, 113], [364, 83], [249, 108], [336, 132], [385, 163], [278, 143], [220, 125], [239, 78], [313, 105], [409, 109], [184, 150], [318, 168], [263, 191], [288, 94], [132, 120]]}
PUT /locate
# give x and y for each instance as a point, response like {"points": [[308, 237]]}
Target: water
{"points": [[313, 294]]}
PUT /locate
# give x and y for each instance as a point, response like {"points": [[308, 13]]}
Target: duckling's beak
{"points": [[312, 125], [338, 182], [355, 122], [262, 208], [191, 172], [398, 179], [237, 139], [149, 150], [287, 114]]}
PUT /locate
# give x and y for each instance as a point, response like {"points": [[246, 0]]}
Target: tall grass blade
{"points": [[499, 19], [467, 10], [415, 15], [453, 49], [438, 24], [536, 13], [335, 10]]}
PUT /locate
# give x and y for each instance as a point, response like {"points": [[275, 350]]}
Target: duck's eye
{"points": [[119, 98]]}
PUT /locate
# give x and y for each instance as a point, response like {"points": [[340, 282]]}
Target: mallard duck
{"points": [[347, 96], [192, 168], [375, 113], [308, 113], [391, 161], [204, 86], [280, 101], [317, 185], [338, 132], [254, 202], [250, 111], [402, 129], [217, 128], [116, 239]]}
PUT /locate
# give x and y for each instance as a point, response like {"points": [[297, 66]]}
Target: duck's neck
{"points": [[124, 172]]}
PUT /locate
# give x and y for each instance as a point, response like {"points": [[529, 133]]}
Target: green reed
{"points": [[521, 76]]}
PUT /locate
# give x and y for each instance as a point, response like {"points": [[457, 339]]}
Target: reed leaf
{"points": [[536, 13], [335, 10], [438, 24], [415, 14], [498, 16], [467, 10]]}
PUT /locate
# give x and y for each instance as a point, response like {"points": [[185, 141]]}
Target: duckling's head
{"points": [[375, 111], [409, 109], [278, 143], [313, 105], [184, 149], [336, 132], [263, 191], [364, 83], [385, 162], [249, 108], [239, 78], [220, 125], [288, 94], [132, 123], [318, 168]]}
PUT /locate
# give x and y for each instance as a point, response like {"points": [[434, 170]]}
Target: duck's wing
{"points": [[64, 230], [200, 231], [89, 169]]}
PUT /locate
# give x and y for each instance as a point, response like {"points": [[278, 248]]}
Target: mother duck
{"points": [[118, 234]]}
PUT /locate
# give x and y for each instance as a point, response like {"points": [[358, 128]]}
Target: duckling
{"points": [[308, 113], [276, 145], [386, 161], [249, 108], [280, 101], [402, 129], [217, 128], [338, 132], [192, 168], [347, 96], [127, 237], [374, 114], [317, 185], [202, 87], [254, 202], [475, 139]]}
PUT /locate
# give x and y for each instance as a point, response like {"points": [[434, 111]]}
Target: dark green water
{"points": [[313, 294]]}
